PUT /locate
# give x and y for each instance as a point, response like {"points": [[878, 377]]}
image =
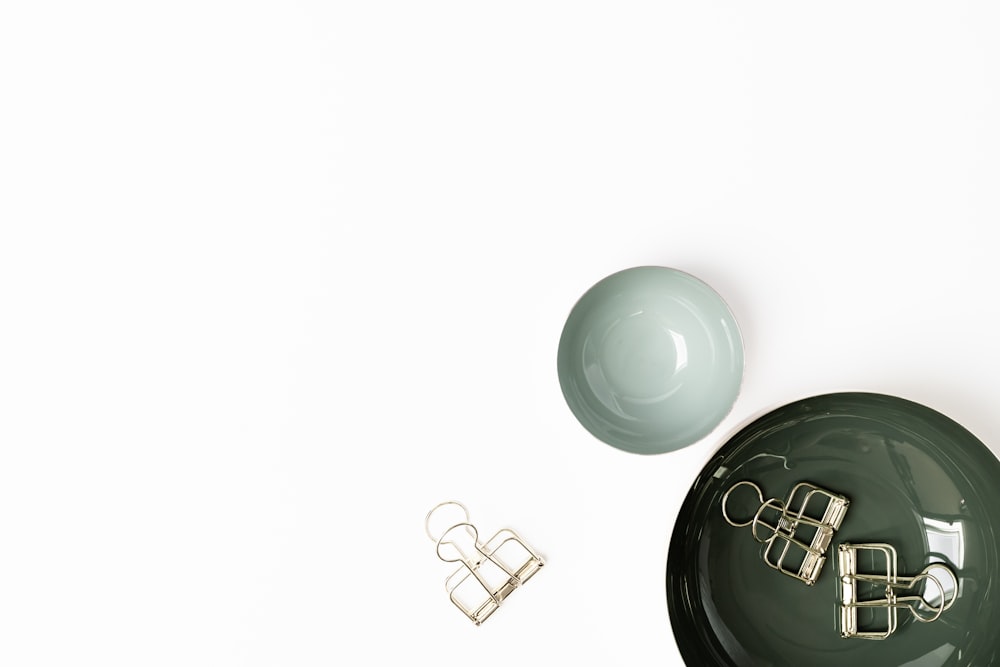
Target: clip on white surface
{"points": [[489, 571]]}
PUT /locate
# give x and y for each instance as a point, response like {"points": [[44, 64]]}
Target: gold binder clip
{"points": [[489, 572], [934, 601], [796, 543]]}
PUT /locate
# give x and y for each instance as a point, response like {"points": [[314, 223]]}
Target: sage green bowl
{"points": [[650, 360], [915, 479]]}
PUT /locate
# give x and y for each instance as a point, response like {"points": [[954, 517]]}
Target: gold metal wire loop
{"points": [[725, 500]]}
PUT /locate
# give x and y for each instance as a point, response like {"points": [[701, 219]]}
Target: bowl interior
{"points": [[650, 360]]}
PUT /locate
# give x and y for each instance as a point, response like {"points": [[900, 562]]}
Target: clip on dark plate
{"points": [[802, 529], [935, 600]]}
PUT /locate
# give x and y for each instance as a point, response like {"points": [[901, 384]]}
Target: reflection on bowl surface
{"points": [[650, 360]]}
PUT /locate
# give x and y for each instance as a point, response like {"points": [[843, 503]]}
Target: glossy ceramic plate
{"points": [[915, 479], [650, 360]]}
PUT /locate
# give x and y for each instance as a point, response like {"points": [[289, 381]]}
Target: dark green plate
{"points": [[915, 479]]}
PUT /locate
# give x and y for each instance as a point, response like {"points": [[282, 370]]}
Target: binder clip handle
{"points": [[462, 557], [427, 519], [919, 600], [939, 588], [755, 517]]}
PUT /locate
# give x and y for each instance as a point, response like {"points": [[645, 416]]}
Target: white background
{"points": [[277, 277]]}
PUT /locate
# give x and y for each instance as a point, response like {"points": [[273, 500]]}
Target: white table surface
{"points": [[277, 277]]}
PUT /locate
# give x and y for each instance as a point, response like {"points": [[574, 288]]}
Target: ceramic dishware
{"points": [[650, 360], [916, 480]]}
